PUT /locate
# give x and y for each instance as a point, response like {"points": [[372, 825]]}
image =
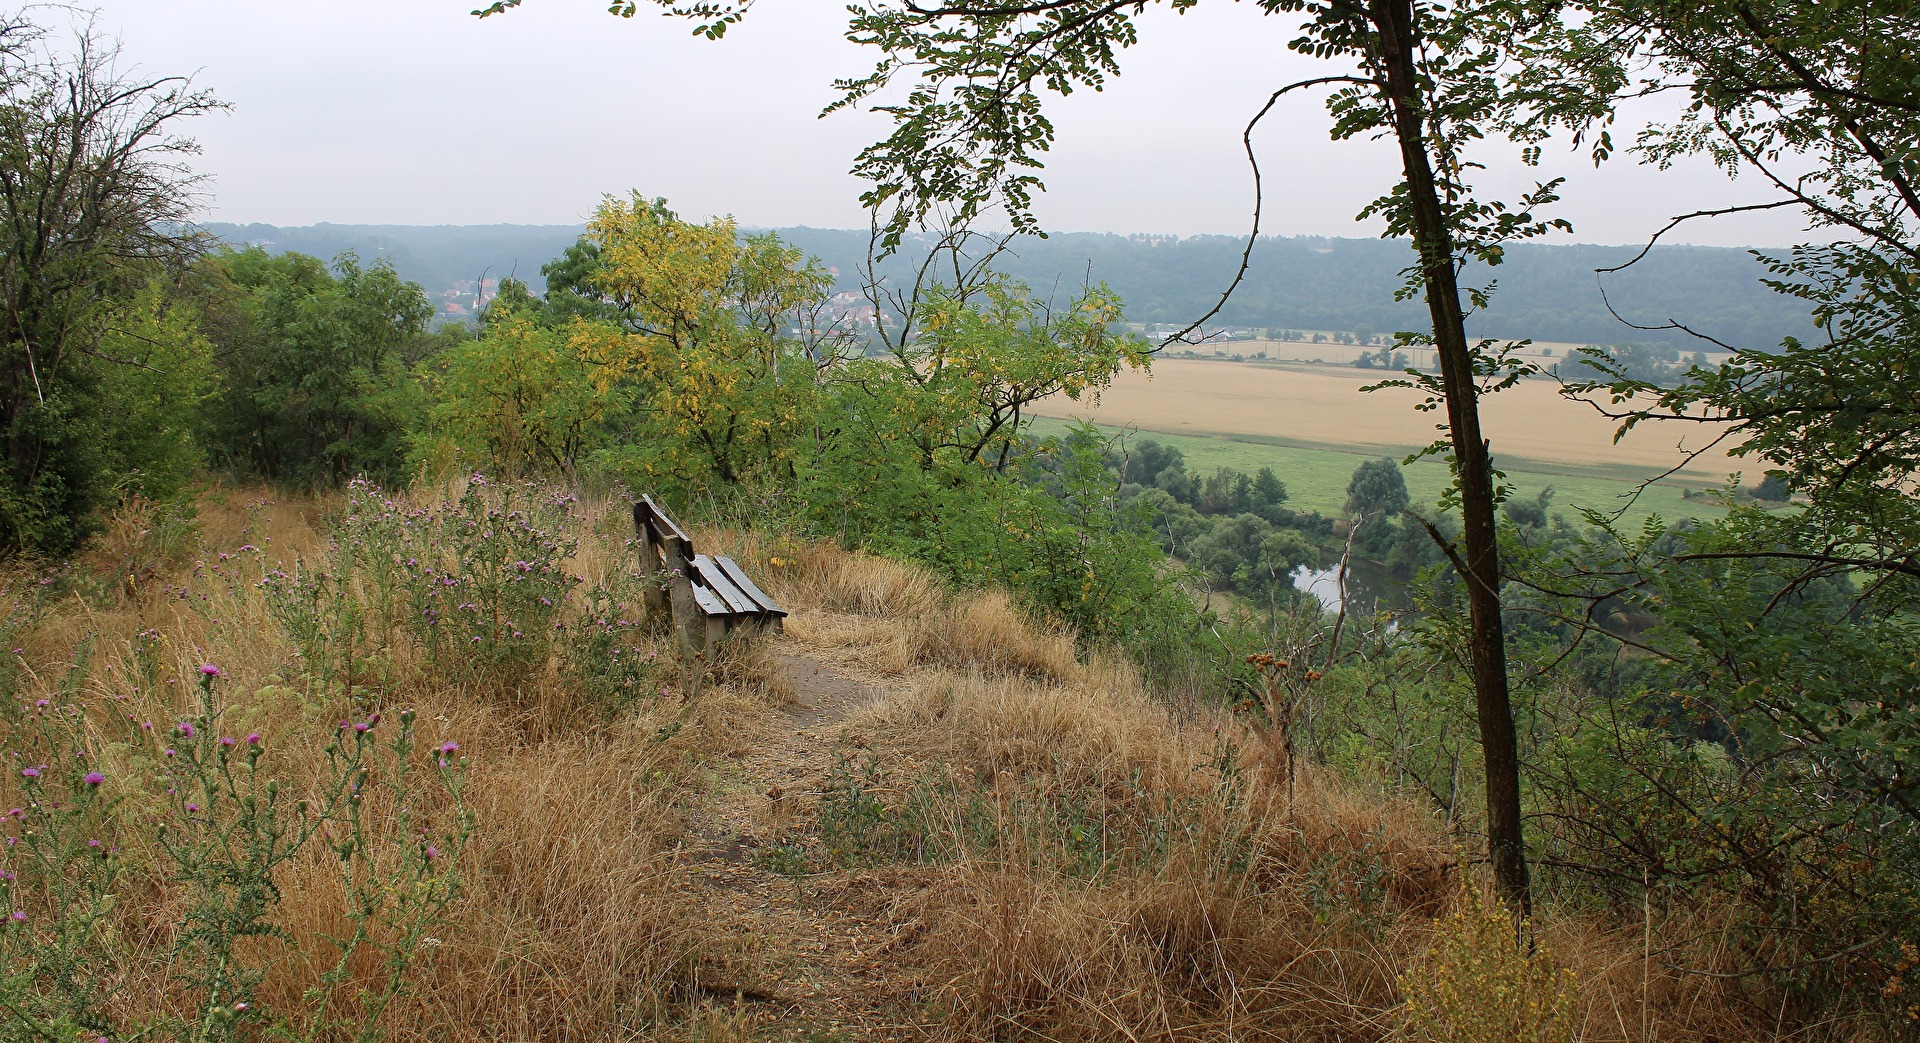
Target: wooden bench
{"points": [[709, 596]]}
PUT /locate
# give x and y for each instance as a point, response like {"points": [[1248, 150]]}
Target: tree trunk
{"points": [[1480, 560]]}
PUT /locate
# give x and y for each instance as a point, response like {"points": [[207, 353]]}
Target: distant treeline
{"points": [[435, 256], [1549, 293]]}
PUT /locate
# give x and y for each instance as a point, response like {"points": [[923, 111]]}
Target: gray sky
{"points": [[414, 112]]}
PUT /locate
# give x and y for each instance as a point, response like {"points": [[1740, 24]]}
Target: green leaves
{"points": [[315, 364]]}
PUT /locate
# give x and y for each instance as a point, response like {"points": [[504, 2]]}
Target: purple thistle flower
{"points": [[19, 916], [186, 729], [253, 738], [209, 670], [31, 773], [94, 778]]}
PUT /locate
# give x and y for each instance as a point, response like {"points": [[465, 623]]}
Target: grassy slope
{"points": [[1228, 897], [1316, 475]]}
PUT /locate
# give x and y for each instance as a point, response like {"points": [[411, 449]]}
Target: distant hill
{"points": [[1549, 293]]}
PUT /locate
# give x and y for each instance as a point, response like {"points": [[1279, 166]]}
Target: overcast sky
{"points": [[414, 112]]}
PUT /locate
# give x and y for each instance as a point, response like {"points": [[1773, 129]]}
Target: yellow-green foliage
{"points": [[1478, 984]]}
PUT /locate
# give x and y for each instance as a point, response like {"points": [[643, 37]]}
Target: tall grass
{"points": [[1045, 848], [559, 911]]}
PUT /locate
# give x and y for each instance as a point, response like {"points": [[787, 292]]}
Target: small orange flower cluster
{"points": [[1896, 984], [1268, 663]]}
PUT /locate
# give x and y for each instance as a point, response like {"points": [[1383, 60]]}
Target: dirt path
{"points": [[799, 958]]}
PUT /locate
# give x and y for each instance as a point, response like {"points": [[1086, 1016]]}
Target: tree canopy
{"points": [[92, 188]]}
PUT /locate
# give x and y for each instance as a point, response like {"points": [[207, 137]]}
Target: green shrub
{"points": [[1480, 983]]}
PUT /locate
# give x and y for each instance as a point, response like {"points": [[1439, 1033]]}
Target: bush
{"points": [[480, 580], [1480, 984]]}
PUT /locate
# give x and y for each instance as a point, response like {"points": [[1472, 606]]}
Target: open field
{"points": [[1317, 476], [1313, 425], [1532, 427], [1329, 351]]}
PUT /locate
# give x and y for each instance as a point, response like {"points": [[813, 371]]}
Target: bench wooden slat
{"points": [[709, 602], [739, 577], [715, 578]]}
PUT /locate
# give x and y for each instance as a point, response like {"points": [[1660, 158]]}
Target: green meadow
{"points": [[1316, 475]]}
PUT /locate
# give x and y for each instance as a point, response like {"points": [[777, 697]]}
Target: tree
{"points": [[663, 351], [1377, 491], [970, 134], [1836, 88], [92, 194], [315, 366], [524, 396], [1147, 458], [1791, 632]]}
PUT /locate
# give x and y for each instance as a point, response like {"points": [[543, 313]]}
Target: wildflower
{"points": [[19, 916], [253, 738], [186, 729], [432, 852], [226, 740], [31, 773], [449, 747], [94, 778], [192, 807], [209, 670]]}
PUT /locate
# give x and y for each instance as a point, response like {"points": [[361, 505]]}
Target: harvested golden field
{"points": [[1324, 406]]}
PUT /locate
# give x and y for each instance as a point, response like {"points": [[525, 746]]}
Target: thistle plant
{"points": [[607, 650], [204, 810], [480, 580]]}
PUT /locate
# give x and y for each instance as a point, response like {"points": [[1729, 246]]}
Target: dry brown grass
{"points": [[574, 915], [1286, 908], [1227, 922], [573, 919], [897, 617], [1232, 899]]}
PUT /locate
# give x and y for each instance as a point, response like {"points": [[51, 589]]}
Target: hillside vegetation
{"points": [[919, 814], [330, 712], [1055, 747]]}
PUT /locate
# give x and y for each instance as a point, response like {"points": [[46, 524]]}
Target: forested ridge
{"points": [[1547, 292]]}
